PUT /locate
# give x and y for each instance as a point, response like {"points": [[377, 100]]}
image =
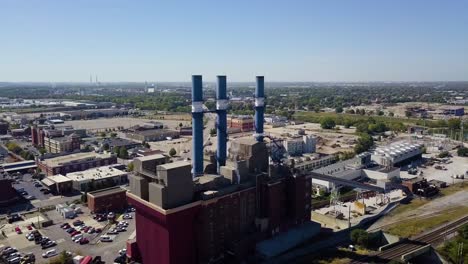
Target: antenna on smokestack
{"points": [[221, 122]]}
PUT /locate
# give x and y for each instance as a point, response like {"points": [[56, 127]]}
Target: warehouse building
{"points": [[397, 154], [81, 161], [153, 135], [97, 178]]}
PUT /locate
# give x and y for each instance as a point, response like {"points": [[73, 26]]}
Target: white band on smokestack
{"points": [[221, 104], [197, 107], [259, 134], [259, 101]]}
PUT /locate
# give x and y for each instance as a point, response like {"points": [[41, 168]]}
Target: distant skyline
{"points": [[168, 41]]}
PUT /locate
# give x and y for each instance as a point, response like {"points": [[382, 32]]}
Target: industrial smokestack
{"points": [[221, 106], [259, 108], [197, 125]]}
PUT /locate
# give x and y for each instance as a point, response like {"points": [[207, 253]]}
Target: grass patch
{"points": [[315, 117], [416, 202], [454, 188], [413, 227], [411, 205]]}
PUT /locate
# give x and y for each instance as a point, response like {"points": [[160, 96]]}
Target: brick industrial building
{"points": [[80, 161], [242, 122], [240, 207], [106, 200]]}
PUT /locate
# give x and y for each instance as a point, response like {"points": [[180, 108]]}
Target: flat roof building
{"points": [[97, 178], [75, 162], [153, 134], [107, 200], [58, 184]]}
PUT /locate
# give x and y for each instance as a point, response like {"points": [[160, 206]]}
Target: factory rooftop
{"points": [[95, 173], [57, 161], [58, 178]]}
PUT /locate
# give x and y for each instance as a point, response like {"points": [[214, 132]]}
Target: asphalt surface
{"points": [[107, 250]]}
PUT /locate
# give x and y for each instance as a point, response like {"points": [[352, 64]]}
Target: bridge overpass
{"points": [[345, 182]]}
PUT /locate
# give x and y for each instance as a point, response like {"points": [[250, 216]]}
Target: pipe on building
{"points": [[259, 108], [221, 122], [197, 125]]}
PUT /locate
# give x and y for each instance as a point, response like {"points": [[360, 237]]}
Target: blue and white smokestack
{"points": [[197, 125], [221, 107], [259, 108]]}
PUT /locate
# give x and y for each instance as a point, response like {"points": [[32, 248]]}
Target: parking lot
{"points": [[31, 187], [63, 240], [454, 166]]}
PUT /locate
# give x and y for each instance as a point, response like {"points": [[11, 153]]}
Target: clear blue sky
{"points": [[290, 40]]}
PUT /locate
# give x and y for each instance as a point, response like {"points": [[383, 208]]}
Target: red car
{"points": [[98, 230], [29, 227], [75, 233], [18, 230], [84, 241]]}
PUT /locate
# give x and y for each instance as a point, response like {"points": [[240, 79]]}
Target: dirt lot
{"points": [[126, 122]]}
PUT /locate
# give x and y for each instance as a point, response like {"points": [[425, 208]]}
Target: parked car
{"points": [[127, 216], [8, 250], [106, 239], [112, 232], [98, 230], [50, 253], [70, 230], [18, 230], [49, 244], [77, 223], [84, 240]]}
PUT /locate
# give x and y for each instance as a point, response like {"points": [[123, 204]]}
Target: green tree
{"points": [[131, 166], [443, 154], [84, 197], [347, 155], [462, 152], [339, 109], [360, 237], [116, 150], [172, 152], [123, 153], [113, 135], [454, 123], [102, 134], [105, 146], [365, 142], [212, 132], [327, 123]]}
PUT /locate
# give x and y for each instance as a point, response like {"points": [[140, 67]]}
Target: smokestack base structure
{"points": [[197, 125], [259, 108], [221, 121]]}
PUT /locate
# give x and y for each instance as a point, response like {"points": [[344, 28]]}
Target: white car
{"points": [[127, 216], [106, 239], [77, 238], [50, 253]]}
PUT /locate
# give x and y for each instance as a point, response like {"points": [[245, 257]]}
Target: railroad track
{"points": [[417, 242]]}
